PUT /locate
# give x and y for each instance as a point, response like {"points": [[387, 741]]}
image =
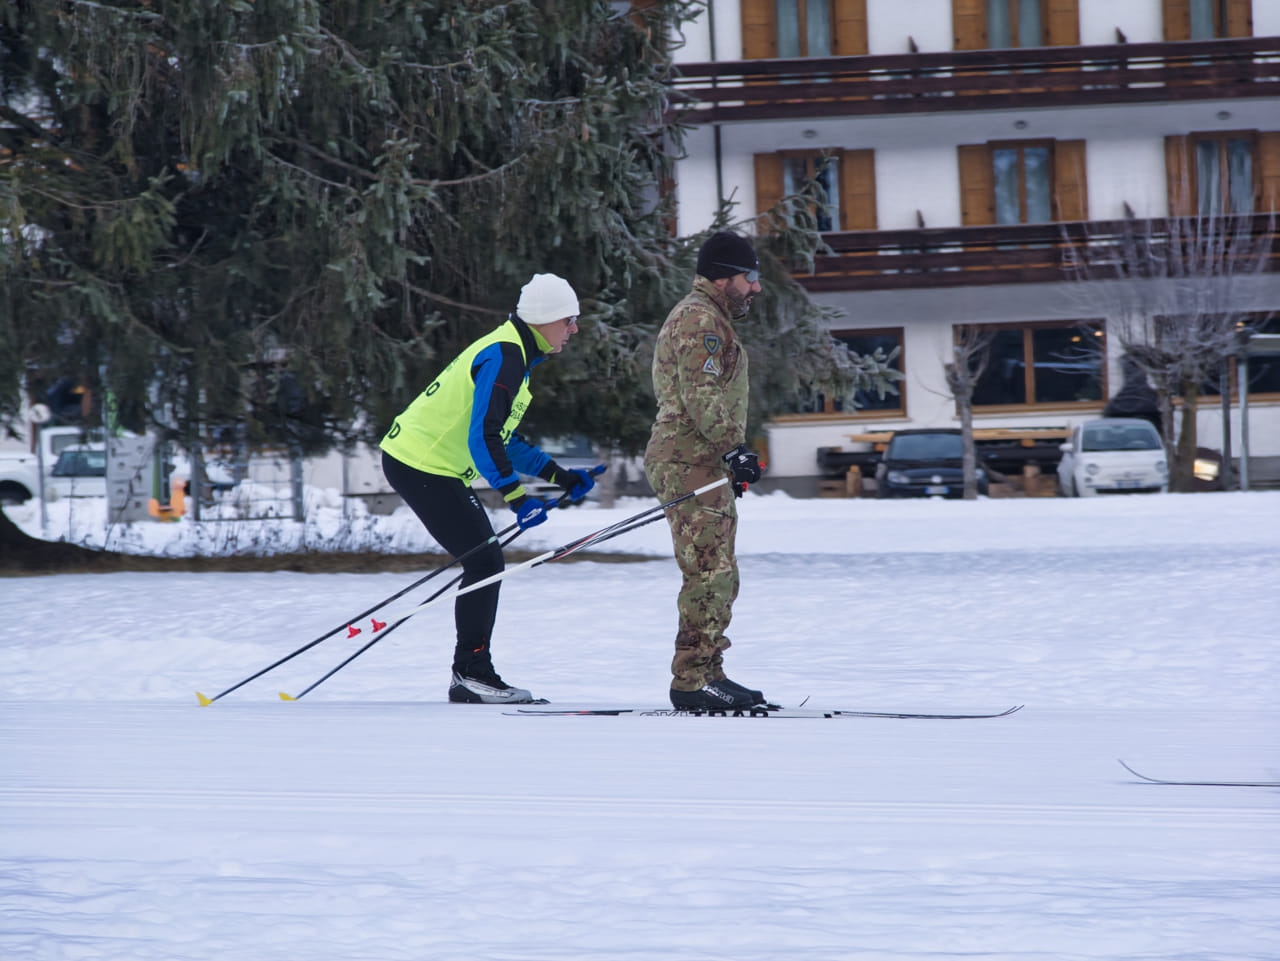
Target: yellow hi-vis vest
{"points": [[441, 431]]}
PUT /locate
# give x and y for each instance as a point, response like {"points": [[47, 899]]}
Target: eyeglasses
{"points": [[752, 275]]}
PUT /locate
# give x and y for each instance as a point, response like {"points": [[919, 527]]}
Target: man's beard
{"points": [[739, 304]]}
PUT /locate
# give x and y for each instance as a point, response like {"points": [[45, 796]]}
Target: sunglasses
{"points": [[752, 275]]}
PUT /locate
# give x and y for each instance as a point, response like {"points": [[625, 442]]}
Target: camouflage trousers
{"points": [[703, 530]]}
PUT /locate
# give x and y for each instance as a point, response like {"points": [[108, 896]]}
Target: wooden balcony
{"points": [[1019, 78], [1014, 254]]}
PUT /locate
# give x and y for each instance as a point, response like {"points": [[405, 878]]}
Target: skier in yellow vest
{"points": [[463, 426]]}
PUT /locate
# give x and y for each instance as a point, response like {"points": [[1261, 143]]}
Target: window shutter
{"points": [[1070, 183], [768, 185], [969, 24], [1239, 18], [759, 29], [1177, 167], [858, 190], [977, 190], [1063, 23], [1268, 158], [1177, 19], [851, 28]]}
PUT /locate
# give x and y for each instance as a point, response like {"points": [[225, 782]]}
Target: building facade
{"points": [[983, 161]]}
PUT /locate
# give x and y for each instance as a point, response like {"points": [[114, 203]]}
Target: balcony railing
{"points": [[744, 90], [1035, 253]]}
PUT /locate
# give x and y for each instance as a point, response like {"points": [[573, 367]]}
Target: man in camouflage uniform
{"points": [[700, 379]]}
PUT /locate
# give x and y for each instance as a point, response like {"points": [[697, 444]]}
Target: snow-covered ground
{"points": [[372, 820]]}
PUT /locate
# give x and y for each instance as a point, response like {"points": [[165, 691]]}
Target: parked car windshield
{"points": [[1120, 437], [81, 463], [926, 447]]}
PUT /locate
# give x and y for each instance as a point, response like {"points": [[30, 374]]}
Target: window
{"points": [[865, 401], [1019, 182], [998, 24], [1105, 436], [1224, 175], [847, 178], [1264, 370], [1210, 174], [1014, 23], [1207, 19], [799, 169], [803, 28], [1023, 183], [1043, 363]]}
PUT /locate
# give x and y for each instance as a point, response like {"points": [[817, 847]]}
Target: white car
{"points": [[1115, 455]]}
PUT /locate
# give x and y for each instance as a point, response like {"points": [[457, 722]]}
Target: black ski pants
{"points": [[453, 515]]}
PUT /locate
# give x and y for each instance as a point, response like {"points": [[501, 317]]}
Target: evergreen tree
{"points": [[285, 216]]}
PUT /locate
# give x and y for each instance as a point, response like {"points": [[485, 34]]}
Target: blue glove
{"points": [[530, 512], [575, 483]]}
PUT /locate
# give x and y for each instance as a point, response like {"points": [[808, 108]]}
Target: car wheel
{"points": [[12, 494]]}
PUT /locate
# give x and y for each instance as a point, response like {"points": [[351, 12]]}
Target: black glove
{"points": [[745, 464], [739, 490], [575, 483]]}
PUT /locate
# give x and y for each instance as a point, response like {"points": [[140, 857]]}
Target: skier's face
{"points": [[740, 291], [558, 332]]}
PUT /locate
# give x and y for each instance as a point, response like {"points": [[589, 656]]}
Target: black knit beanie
{"points": [[725, 254]]}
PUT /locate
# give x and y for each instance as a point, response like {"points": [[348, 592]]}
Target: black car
{"points": [[924, 463]]}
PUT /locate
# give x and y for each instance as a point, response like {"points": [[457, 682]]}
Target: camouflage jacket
{"points": [[700, 380]]}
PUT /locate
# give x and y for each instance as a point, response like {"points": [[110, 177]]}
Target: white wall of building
{"points": [[696, 181], [695, 41], [1266, 18], [910, 179], [1126, 171], [928, 22], [1141, 21]]}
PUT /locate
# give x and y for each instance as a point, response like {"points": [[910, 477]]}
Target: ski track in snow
{"points": [[373, 821]]}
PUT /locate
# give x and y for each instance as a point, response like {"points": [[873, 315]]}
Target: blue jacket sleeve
{"points": [[528, 458], [498, 371]]}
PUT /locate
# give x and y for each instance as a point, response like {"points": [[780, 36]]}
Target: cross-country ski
{"points": [[1156, 780], [764, 711]]}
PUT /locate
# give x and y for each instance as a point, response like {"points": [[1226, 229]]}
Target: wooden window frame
{"points": [[829, 413], [1015, 12], [1210, 393], [760, 28], [811, 159], [1068, 170], [1224, 171], [855, 184], [1027, 327], [802, 33], [1232, 18], [1020, 146], [971, 28]]}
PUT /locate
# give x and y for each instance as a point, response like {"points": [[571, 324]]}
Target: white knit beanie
{"points": [[545, 299]]}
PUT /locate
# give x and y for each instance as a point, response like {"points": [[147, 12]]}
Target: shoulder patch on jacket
{"points": [[711, 365]]}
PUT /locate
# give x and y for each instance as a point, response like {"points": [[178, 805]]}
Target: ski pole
{"points": [[375, 639], [352, 631], [382, 629], [613, 530], [348, 625]]}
